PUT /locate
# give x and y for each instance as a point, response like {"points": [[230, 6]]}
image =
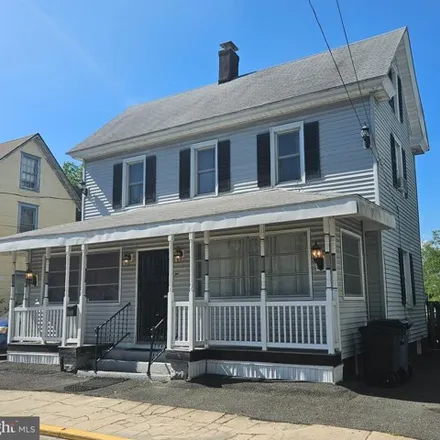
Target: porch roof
{"points": [[202, 214]]}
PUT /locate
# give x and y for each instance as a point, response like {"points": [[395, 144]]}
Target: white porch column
{"points": [[263, 324], [170, 299], [82, 297], [328, 288], [207, 320], [335, 290], [45, 293], [27, 284], [191, 299], [66, 298], [11, 324]]}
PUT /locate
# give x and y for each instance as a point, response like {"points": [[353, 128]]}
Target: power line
{"points": [[36, 196], [352, 62], [334, 61]]}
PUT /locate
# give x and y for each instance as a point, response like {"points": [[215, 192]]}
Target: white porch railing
{"points": [[289, 324], [31, 325]]}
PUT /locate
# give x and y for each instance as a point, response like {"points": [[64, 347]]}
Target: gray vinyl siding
{"points": [[374, 275], [406, 210], [346, 167], [352, 312]]}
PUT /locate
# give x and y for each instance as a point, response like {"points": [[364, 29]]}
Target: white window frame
{"points": [[408, 280], [125, 180], [395, 82], [31, 206], [207, 145], [361, 253], [282, 129]]}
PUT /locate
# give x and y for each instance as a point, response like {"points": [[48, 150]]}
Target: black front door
{"points": [[152, 292]]}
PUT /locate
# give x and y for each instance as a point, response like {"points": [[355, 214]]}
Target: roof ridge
{"points": [[264, 69], [21, 138]]}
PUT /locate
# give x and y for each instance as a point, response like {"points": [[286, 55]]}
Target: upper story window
{"points": [[352, 265], [134, 178], [396, 102], [204, 180], [27, 217], [30, 172], [398, 164], [287, 153]]}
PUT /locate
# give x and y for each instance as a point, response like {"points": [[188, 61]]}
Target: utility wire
{"points": [[334, 61], [35, 196], [352, 62]]}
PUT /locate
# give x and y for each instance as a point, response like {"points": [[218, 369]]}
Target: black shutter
{"points": [[263, 159], [399, 92], [150, 179], [402, 276], [413, 284], [404, 164], [117, 186], [393, 161], [224, 166], [185, 173], [311, 148], [391, 101]]}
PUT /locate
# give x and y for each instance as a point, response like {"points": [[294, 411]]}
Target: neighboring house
{"points": [[34, 193], [250, 215]]}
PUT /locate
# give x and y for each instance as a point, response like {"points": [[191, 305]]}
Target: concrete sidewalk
{"points": [[138, 420]]}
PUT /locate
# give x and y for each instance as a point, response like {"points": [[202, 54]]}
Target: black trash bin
{"points": [[386, 351]]}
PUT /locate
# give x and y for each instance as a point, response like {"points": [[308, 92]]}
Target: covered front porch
{"points": [[243, 273]]}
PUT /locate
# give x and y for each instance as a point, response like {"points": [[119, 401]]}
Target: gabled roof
{"points": [[301, 78], [196, 215], [7, 148]]}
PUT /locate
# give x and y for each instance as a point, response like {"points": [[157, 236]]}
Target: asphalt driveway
{"points": [[411, 410]]}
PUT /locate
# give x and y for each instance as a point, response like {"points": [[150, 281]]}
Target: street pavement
{"points": [[137, 420]]}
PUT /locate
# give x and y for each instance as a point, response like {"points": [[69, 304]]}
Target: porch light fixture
{"points": [[365, 135], [126, 259], [318, 256], [178, 255], [30, 278]]}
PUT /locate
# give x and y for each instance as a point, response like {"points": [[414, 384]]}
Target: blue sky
{"points": [[70, 66]]}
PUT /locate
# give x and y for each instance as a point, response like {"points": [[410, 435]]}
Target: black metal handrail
{"points": [[110, 333], [155, 331]]}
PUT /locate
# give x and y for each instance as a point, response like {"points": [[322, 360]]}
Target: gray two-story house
{"points": [[251, 226]]}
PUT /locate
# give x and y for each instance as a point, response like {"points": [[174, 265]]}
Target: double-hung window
{"points": [[134, 177], [27, 217], [204, 180], [398, 163], [352, 265], [103, 276], [30, 172], [287, 153]]}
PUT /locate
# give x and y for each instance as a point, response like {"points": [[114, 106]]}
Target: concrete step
{"points": [[133, 354], [134, 367]]}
